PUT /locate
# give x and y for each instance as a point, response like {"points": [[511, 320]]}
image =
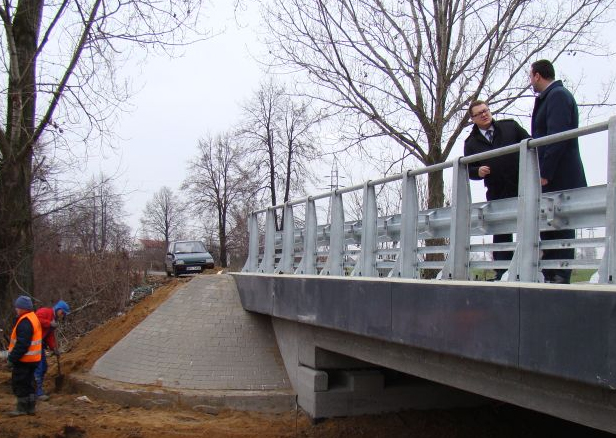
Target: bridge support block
{"points": [[312, 380], [329, 384]]}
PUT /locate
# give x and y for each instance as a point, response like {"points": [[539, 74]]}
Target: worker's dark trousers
{"points": [[22, 380]]}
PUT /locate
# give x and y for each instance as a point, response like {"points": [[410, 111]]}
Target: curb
{"points": [[208, 401]]}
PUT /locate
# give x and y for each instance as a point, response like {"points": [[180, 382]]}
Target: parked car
{"points": [[187, 257]]}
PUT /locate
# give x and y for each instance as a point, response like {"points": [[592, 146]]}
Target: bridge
{"points": [[360, 331]]}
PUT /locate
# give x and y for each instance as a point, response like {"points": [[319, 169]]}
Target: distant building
{"points": [[150, 254], [150, 245]]}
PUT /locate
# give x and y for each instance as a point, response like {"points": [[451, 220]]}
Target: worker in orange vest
{"points": [[25, 351]]}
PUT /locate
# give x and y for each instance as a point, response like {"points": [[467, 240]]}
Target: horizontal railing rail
{"points": [[392, 245]]}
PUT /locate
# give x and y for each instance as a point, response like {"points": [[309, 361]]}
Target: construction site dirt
{"points": [[72, 415]]}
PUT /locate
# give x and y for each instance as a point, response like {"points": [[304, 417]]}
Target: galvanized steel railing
{"points": [[352, 247]]}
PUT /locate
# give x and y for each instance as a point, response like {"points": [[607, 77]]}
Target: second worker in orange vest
{"points": [[25, 351]]}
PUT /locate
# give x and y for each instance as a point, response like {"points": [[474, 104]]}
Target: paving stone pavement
{"points": [[200, 338]]}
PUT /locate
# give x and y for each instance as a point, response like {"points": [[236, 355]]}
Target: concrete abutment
{"points": [[330, 384]]}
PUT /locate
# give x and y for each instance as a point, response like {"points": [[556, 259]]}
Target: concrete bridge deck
{"points": [[545, 347]]}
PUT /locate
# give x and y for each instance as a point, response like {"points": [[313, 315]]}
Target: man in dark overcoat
{"points": [[560, 163]]}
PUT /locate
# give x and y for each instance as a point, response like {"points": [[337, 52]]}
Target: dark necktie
{"points": [[489, 135]]}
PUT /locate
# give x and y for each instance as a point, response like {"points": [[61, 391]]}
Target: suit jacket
{"points": [[560, 163], [502, 182]]}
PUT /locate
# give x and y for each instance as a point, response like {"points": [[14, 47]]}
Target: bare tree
{"points": [[60, 69], [66, 266], [217, 181], [281, 133], [94, 224], [299, 142], [163, 215], [238, 238], [260, 128], [409, 69]]}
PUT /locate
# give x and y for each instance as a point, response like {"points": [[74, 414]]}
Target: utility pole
{"points": [[334, 184]]}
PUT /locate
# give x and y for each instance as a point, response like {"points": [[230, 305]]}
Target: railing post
{"points": [[366, 264], [308, 262], [269, 252], [407, 265], [252, 262], [607, 271], [335, 259], [456, 266], [285, 266], [525, 263]]}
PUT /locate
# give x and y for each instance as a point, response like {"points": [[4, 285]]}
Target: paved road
{"points": [[200, 338]]}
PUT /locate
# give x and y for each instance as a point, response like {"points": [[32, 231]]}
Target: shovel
{"points": [[60, 377]]}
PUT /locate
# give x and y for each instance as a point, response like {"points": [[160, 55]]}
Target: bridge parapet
{"points": [[391, 245]]}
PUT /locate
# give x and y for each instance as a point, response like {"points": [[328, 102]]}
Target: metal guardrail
{"points": [[389, 245]]}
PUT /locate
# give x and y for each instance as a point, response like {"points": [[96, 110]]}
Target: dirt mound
{"points": [[76, 416]]}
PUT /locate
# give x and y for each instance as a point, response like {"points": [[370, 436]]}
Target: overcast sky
{"points": [[182, 99], [178, 102]]}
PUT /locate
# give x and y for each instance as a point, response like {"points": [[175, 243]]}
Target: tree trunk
{"points": [[16, 239], [287, 182], [223, 249], [222, 237], [272, 174], [436, 190], [287, 186], [436, 199]]}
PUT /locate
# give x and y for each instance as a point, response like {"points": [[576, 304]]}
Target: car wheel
{"points": [[168, 273], [175, 272]]}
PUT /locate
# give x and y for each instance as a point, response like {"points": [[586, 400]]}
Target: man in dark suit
{"points": [[499, 174], [560, 163]]}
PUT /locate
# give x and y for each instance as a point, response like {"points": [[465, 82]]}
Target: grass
{"points": [[578, 275]]}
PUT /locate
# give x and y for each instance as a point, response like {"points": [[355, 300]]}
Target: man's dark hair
{"points": [[473, 105], [544, 68]]}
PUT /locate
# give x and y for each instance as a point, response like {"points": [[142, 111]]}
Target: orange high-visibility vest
{"points": [[35, 351]]}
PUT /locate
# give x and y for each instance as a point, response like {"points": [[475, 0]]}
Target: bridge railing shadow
{"points": [[378, 246]]}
